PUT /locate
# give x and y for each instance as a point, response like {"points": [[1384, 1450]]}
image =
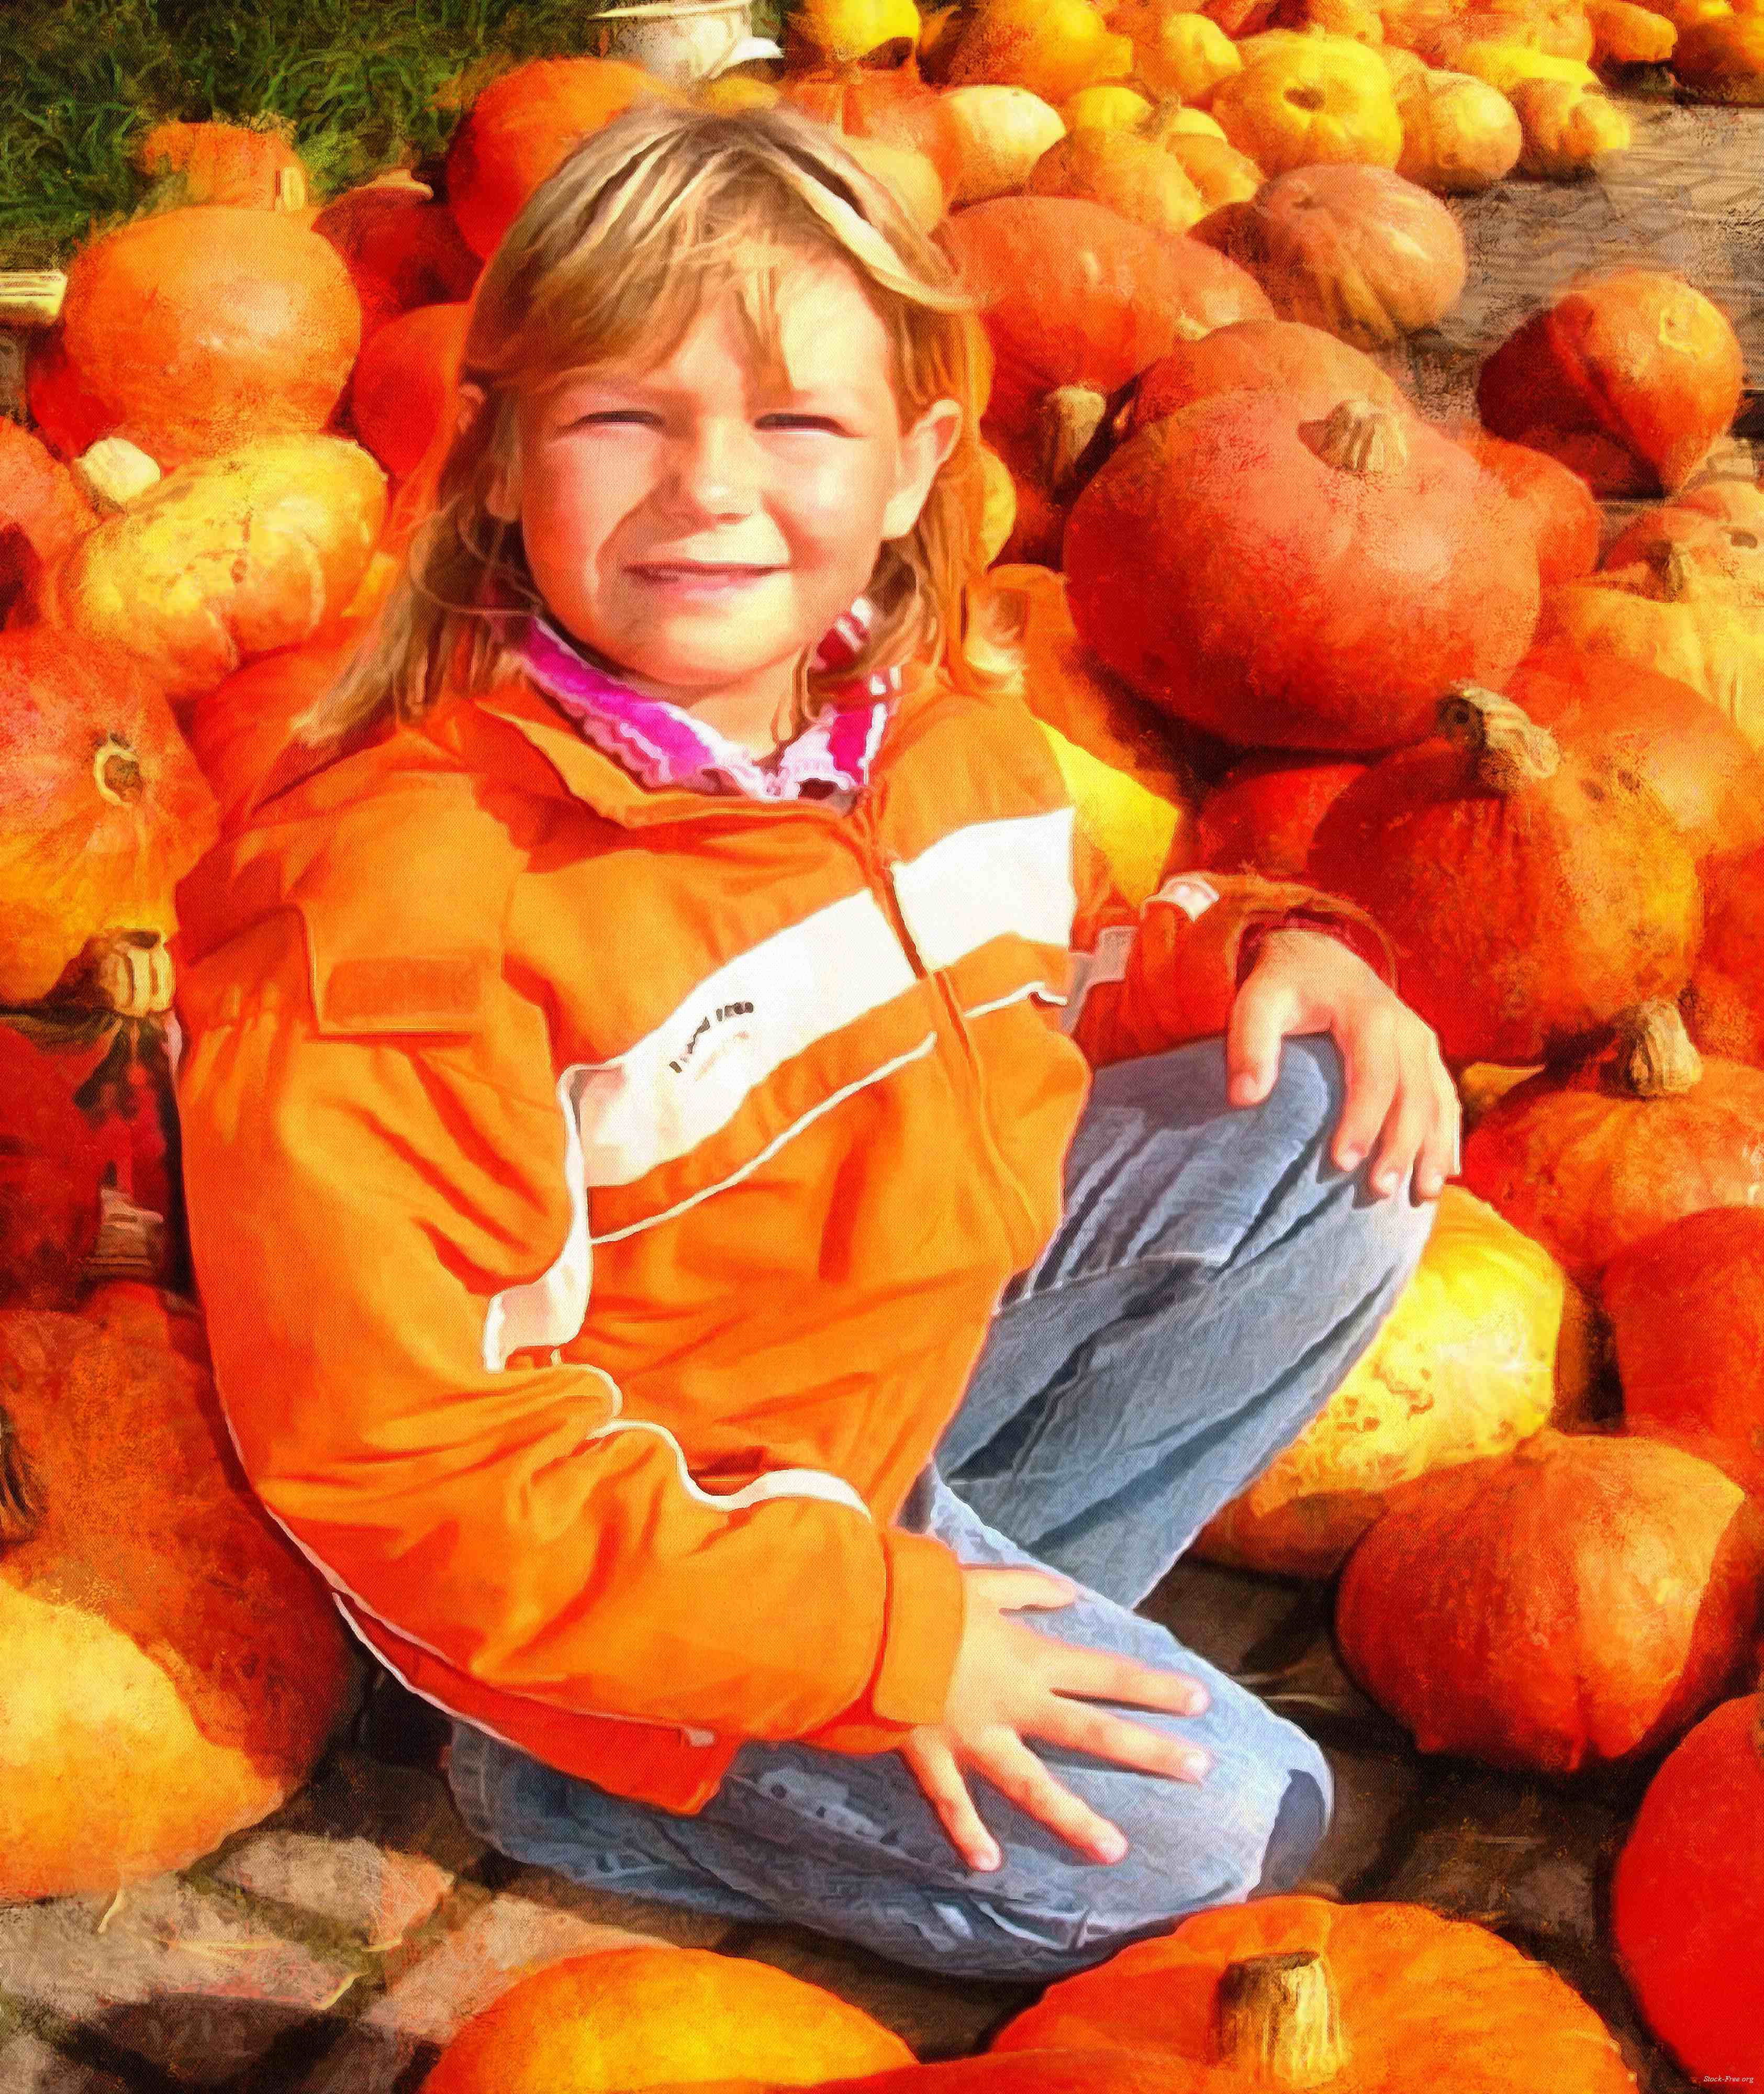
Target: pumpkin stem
{"points": [[117, 769], [113, 472], [290, 188], [1359, 436], [1275, 2021], [21, 1506], [32, 298], [1070, 416], [1511, 751], [130, 1243], [1655, 1059]]}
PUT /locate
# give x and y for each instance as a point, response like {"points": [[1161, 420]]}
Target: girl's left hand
{"points": [[1399, 1096]]}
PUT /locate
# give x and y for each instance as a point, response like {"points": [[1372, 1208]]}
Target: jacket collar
{"points": [[601, 782]]}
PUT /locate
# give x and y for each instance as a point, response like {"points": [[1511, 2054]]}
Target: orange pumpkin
{"points": [[642, 2017], [1357, 1998], [1724, 1003], [1359, 251], [403, 380], [1592, 1159], [1253, 565], [1128, 174], [892, 106], [1262, 814], [1628, 379], [1032, 2072], [41, 511], [1686, 1898], [1504, 863], [1686, 1308], [201, 329], [522, 126], [1260, 356], [401, 249], [69, 417], [1558, 503], [1580, 1600], [1704, 772], [252, 167], [171, 1657], [104, 811]]}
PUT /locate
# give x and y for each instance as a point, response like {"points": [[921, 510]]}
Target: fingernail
{"points": [[1385, 1182], [1194, 1766], [1110, 1846], [1432, 1185], [1352, 1159], [1199, 1701], [987, 1856]]}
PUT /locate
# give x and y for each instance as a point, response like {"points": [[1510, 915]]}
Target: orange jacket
{"points": [[599, 1197]]}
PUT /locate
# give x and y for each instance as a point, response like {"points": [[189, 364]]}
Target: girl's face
{"points": [[701, 528]]}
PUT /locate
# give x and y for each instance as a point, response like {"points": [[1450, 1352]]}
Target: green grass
{"points": [[358, 84]]}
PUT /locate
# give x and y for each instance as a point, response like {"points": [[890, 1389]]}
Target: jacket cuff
{"points": [[1362, 940], [921, 1634]]}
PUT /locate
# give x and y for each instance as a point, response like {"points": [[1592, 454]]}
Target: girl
{"points": [[667, 1262]]}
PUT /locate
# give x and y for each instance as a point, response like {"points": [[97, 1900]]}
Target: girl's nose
{"points": [[715, 468]]}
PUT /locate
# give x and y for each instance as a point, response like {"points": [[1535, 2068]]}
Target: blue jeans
{"points": [[1213, 1279]]}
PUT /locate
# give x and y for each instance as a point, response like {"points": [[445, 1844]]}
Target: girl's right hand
{"points": [[1010, 1682]]}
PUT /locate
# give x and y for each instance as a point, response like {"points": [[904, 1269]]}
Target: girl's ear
{"points": [[472, 402], [924, 449]]}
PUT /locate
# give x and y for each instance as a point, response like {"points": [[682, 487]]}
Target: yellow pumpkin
{"points": [[840, 32], [1504, 65], [998, 512], [1686, 629], [1130, 175], [648, 2017], [1220, 171], [1110, 108], [1134, 828], [736, 91], [1170, 120], [1186, 55], [1459, 134], [1003, 131], [1489, 1342], [1309, 102], [1051, 47], [1566, 130], [1724, 59], [225, 558], [1347, 17]]}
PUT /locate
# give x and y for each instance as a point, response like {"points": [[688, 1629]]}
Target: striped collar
{"points": [[662, 745]]}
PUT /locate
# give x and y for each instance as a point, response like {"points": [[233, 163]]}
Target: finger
{"points": [[1106, 1675], [1369, 1055], [1406, 1127], [1083, 1729], [1015, 1772], [934, 1768], [1260, 1015], [1010, 1586], [1438, 1160]]}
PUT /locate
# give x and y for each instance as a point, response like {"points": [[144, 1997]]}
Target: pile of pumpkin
{"points": [[1273, 620]]}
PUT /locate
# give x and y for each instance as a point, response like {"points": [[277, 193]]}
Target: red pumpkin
{"points": [[1578, 1601], [69, 416], [1628, 379], [1594, 1157], [891, 104], [42, 511], [203, 328], [1687, 1899], [1263, 815], [1307, 583], [1503, 864], [522, 126], [51, 1171], [1359, 251], [1558, 503], [403, 380], [1260, 356], [226, 163], [1724, 550], [401, 249], [1686, 1308], [1685, 747], [1080, 297]]}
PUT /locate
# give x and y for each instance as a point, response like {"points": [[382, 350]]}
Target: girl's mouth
{"points": [[700, 581]]}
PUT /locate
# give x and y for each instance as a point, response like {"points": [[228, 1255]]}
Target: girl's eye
{"points": [[805, 421]]}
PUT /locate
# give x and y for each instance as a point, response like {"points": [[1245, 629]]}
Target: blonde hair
{"points": [[644, 226]]}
